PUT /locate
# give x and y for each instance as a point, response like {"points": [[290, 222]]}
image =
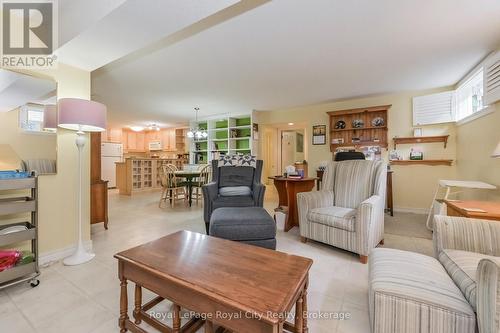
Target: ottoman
{"points": [[251, 225], [412, 293]]}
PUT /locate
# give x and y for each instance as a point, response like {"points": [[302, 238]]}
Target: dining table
{"points": [[190, 176]]}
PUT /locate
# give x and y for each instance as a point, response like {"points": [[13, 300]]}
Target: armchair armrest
{"points": [[309, 200], [460, 233], [258, 194], [488, 291], [210, 192], [370, 223]]}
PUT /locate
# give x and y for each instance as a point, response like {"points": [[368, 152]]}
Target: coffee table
{"points": [[239, 287]]}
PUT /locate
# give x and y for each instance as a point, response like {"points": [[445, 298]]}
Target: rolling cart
{"points": [[13, 201]]}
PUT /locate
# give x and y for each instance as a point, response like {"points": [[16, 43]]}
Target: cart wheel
{"points": [[34, 283]]}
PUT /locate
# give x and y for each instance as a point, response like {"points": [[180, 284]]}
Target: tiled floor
{"points": [[85, 298]]}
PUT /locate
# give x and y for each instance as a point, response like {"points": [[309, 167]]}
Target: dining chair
{"points": [[204, 178], [173, 189]]}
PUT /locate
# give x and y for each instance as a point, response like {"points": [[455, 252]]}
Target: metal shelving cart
{"points": [[12, 203]]}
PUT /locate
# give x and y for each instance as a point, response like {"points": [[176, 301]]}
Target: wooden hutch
{"points": [[367, 134]]}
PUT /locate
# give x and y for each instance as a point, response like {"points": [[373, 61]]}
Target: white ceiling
{"points": [[287, 53], [96, 33], [19, 89]]}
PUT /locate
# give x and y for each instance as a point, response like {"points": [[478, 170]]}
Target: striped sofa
{"points": [[349, 210], [456, 292]]}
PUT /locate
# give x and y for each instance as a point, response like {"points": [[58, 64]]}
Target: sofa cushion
{"points": [[231, 191], [337, 217], [242, 224], [236, 176], [462, 267], [407, 288]]}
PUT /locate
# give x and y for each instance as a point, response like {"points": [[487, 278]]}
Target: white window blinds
{"points": [[434, 109], [491, 81]]}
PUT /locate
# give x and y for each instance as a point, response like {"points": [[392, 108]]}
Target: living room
{"points": [[250, 166]]}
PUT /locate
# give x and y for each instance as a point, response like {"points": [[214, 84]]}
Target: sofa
{"points": [[348, 212], [457, 291], [236, 182]]}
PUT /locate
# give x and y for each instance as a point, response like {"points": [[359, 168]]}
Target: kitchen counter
{"points": [[142, 173]]}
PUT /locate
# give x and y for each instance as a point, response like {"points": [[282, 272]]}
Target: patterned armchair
{"points": [[349, 210], [469, 250], [236, 182]]}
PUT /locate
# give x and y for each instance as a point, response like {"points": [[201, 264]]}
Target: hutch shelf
{"points": [[368, 132]]}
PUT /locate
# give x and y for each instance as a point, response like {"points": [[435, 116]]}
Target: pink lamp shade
{"points": [[81, 115], [50, 117]]}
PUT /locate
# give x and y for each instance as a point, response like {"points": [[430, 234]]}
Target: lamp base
{"points": [[79, 257]]}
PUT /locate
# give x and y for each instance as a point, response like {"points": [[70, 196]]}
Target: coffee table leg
{"points": [[138, 304], [209, 327], [299, 314], [123, 305], [176, 321], [304, 308]]}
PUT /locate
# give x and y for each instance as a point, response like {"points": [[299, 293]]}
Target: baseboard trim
{"points": [[423, 211], [50, 257]]}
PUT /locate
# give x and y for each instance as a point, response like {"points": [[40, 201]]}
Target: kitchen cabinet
{"points": [[168, 139], [135, 141]]}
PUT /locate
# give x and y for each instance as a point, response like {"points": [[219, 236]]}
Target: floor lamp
{"points": [[82, 116]]}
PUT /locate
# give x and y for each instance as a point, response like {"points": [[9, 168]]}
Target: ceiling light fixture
{"points": [[153, 127], [197, 132], [136, 128], [290, 124]]}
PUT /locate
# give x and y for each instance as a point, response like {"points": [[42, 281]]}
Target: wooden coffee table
{"points": [[239, 287]]}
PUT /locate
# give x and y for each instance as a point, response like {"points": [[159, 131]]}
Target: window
{"points": [[31, 118], [469, 96]]}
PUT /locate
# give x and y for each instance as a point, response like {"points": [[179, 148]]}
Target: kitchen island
{"points": [[139, 174]]}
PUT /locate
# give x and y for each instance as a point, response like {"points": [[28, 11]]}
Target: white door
{"points": [[108, 169]]}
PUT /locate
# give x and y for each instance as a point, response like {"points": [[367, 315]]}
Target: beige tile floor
{"points": [[85, 298]]}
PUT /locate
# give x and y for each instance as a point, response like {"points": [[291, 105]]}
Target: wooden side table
{"points": [[485, 210], [287, 193]]}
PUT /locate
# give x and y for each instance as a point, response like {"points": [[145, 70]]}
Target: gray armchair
{"points": [[233, 186]]}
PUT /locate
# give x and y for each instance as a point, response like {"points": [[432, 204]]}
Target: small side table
{"points": [[486, 210], [287, 193]]}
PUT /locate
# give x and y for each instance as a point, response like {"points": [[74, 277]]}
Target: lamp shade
{"points": [[81, 115], [496, 152], [50, 117]]}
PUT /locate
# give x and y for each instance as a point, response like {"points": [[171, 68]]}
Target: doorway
{"points": [[292, 147]]}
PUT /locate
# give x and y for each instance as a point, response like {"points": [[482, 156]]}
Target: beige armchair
{"points": [[349, 210], [469, 250]]}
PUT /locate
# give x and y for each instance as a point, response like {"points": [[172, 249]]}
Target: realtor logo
{"points": [[28, 33]]}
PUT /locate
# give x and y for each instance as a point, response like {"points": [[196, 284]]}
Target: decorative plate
{"points": [[358, 123], [378, 121], [340, 124]]}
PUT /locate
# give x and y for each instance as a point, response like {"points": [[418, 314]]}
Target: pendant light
{"points": [[197, 133]]}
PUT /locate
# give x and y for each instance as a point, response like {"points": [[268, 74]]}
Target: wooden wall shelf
{"points": [[368, 133], [422, 162], [421, 139]]}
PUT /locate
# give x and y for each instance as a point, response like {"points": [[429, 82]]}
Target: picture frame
{"points": [[319, 135]]}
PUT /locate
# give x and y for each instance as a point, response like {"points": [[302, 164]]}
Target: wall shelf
{"points": [[421, 139], [422, 162]]}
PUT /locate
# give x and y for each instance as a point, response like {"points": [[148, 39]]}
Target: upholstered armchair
{"points": [[236, 182], [349, 210]]}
